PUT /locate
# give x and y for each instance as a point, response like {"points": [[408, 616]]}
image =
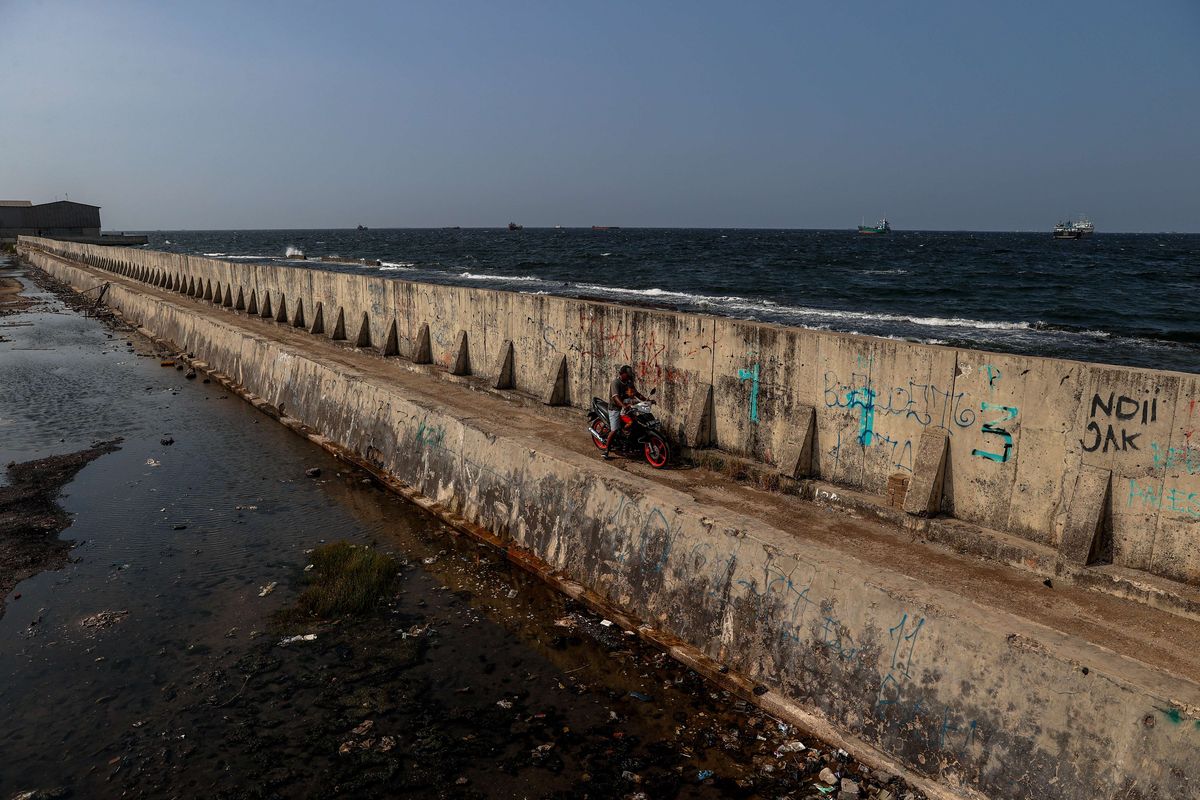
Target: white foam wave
{"points": [[213, 255], [803, 313], [386, 266], [472, 276], [896, 271]]}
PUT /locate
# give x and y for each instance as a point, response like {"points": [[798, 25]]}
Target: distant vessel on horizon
{"points": [[1074, 229], [874, 230], [361, 227], [512, 226]]}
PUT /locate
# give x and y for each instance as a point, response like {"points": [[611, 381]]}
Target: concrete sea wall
{"points": [[981, 701], [1094, 460]]}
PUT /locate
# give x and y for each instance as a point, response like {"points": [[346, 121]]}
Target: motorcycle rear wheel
{"points": [[601, 429]]}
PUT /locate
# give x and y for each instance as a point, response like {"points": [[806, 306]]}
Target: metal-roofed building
{"points": [[61, 219]]}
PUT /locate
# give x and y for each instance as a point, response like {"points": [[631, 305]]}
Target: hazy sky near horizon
{"points": [[939, 114]]}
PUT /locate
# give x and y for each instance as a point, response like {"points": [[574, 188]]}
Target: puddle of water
{"points": [[506, 690]]}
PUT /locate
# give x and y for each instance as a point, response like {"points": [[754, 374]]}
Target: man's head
{"points": [[625, 373]]}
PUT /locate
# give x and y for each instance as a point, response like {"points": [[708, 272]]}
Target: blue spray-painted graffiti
{"points": [[864, 399], [752, 376], [1166, 498], [992, 427]]}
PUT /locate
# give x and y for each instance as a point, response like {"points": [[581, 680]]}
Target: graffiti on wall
{"points": [[992, 427], [1120, 415]]}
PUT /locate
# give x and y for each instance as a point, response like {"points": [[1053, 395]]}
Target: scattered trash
{"points": [[606, 623], [308, 568], [1049, 584], [266, 590], [190, 375], [789, 747], [505, 704], [166, 440], [565, 622], [103, 619], [150, 462], [849, 788], [416, 631], [304, 637], [823, 789], [313, 472], [645, 698], [704, 774], [512, 593], [167, 363], [179, 527], [827, 777], [363, 727]]}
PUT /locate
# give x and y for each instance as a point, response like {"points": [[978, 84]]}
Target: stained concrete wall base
{"points": [[980, 700]]}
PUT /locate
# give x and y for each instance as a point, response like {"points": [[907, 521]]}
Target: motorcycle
{"points": [[642, 436]]}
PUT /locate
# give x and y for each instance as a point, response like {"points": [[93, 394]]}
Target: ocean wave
{"points": [[472, 276], [896, 271], [386, 266], [804, 313], [213, 255]]}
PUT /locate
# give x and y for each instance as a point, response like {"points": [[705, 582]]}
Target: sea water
{"points": [[1112, 298]]}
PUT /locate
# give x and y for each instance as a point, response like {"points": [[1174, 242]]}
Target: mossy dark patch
{"points": [[346, 580]]}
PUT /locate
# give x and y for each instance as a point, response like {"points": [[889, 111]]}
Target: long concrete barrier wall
{"points": [[978, 699], [1093, 460]]}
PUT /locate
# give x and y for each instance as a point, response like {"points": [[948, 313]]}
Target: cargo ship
{"points": [[874, 230], [512, 226], [1074, 229]]}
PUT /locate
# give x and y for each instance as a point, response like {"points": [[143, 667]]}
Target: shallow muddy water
{"points": [[473, 680]]}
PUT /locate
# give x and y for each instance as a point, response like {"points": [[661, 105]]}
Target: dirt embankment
{"points": [[31, 519], [11, 299]]}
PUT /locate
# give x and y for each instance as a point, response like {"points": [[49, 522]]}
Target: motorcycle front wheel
{"points": [[656, 451]]}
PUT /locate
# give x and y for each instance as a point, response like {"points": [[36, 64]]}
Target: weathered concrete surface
{"points": [[972, 675], [1020, 429]]}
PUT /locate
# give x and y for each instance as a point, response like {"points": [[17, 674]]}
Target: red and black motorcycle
{"points": [[642, 434]]}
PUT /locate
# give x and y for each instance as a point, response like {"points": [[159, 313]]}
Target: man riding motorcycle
{"points": [[622, 394]]}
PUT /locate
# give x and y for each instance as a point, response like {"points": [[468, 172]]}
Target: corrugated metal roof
{"points": [[15, 203]]}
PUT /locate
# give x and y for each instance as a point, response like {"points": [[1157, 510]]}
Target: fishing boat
{"points": [[874, 230], [1074, 229], [512, 226]]}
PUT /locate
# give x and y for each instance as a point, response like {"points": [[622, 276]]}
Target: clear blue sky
{"points": [[944, 115]]}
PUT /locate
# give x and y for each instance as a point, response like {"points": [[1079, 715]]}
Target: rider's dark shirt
{"points": [[622, 389]]}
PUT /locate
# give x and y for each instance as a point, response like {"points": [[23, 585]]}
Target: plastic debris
{"points": [[150, 462], [827, 777], [505, 704], [849, 788], [789, 747], [266, 590], [304, 637], [312, 472], [704, 774], [606, 623], [363, 727], [645, 698], [103, 619]]}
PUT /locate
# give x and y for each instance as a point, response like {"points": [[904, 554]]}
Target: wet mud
{"points": [[31, 519], [167, 659]]}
